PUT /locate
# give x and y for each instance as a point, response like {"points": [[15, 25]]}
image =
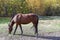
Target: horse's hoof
{"points": [[14, 34], [21, 33], [9, 33], [36, 35]]}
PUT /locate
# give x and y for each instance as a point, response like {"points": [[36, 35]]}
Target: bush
{"points": [[41, 7]]}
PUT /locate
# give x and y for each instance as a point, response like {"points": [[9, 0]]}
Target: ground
{"points": [[48, 29]]}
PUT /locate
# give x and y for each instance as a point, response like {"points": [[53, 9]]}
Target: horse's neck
{"points": [[12, 22]]}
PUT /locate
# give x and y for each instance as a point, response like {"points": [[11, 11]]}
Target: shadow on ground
{"points": [[43, 37]]}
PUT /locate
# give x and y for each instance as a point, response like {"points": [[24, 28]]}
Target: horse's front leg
{"points": [[21, 29], [15, 29]]}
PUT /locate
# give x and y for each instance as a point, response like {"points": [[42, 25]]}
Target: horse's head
{"points": [[10, 28], [10, 25]]}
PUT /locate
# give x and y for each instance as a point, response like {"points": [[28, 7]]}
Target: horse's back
{"points": [[31, 17], [25, 18]]}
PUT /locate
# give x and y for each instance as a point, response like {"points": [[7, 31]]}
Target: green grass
{"points": [[4, 19]]}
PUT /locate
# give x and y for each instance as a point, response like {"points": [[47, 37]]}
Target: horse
{"points": [[20, 18]]}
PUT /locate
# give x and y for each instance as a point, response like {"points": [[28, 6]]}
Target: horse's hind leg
{"points": [[15, 29], [21, 29], [36, 28]]}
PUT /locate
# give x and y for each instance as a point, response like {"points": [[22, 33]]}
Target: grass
{"points": [[46, 24], [4, 20]]}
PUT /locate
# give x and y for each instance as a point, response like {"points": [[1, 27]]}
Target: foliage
{"points": [[11, 7]]}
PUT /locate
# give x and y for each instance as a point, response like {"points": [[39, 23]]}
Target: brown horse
{"points": [[24, 19]]}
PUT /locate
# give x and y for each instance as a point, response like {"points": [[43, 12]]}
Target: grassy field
{"points": [[46, 25], [4, 20]]}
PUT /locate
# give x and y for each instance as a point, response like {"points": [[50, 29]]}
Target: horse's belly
{"points": [[25, 21]]}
